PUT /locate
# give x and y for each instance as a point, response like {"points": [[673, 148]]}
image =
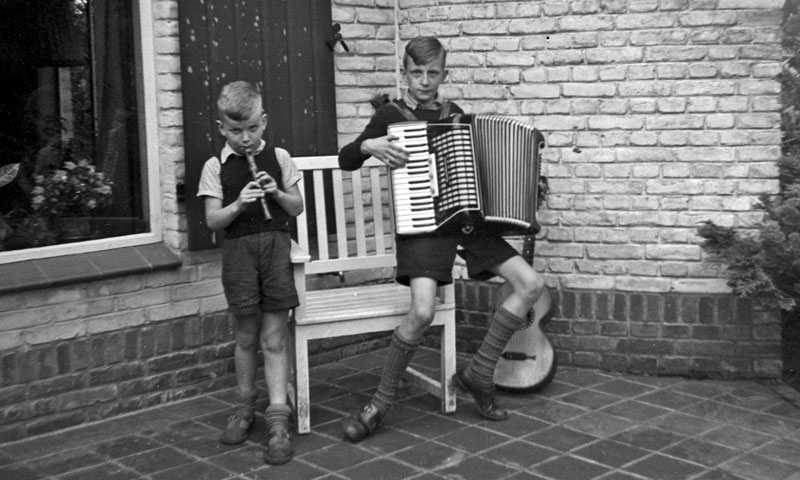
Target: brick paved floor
{"points": [[585, 425]]}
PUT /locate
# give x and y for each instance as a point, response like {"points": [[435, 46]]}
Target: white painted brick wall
{"points": [[659, 114], [170, 119]]}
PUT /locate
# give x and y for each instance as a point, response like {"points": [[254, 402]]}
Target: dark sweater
{"points": [[350, 156], [234, 175]]}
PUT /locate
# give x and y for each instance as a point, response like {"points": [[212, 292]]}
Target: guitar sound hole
{"points": [[519, 356]]}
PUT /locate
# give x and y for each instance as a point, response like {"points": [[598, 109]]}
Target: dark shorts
{"points": [[257, 273], [432, 256]]}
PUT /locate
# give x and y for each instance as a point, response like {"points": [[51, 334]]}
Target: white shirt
{"points": [[210, 181]]}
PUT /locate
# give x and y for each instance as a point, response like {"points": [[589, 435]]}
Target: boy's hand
{"points": [[267, 183], [385, 150], [251, 192]]}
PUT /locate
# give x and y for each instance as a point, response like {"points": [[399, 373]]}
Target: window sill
{"points": [[85, 267]]}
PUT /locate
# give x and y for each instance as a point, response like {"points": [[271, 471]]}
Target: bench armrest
{"points": [[298, 254], [299, 258]]}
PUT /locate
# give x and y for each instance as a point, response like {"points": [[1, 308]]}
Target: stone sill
{"points": [[85, 267]]}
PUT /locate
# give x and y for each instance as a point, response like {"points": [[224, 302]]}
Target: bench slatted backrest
{"points": [[363, 236]]}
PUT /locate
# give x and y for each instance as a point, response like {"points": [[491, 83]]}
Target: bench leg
{"points": [[303, 407], [448, 366]]}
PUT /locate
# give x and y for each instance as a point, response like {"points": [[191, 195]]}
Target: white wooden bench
{"points": [[361, 239]]}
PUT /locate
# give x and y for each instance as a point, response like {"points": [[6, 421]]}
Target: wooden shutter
{"points": [[278, 44]]}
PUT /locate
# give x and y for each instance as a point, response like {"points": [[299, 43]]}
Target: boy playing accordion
{"points": [[425, 261]]}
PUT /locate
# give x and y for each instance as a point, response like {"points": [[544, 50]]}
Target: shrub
{"points": [[763, 263]]}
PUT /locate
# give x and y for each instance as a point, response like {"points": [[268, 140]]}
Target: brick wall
{"points": [[658, 115], [695, 335], [60, 384]]}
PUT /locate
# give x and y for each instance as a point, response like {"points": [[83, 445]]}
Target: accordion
{"points": [[479, 169]]}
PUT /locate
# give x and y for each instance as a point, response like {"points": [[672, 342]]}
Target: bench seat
{"points": [[356, 303]]}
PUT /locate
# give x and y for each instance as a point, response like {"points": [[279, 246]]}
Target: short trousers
{"points": [[257, 273], [432, 256]]}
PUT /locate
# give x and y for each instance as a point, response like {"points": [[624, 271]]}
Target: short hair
{"points": [[239, 100], [424, 50]]}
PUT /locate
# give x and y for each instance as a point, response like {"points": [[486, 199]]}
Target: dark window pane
{"points": [[69, 144]]}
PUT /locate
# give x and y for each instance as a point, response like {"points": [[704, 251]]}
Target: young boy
{"points": [[426, 261], [256, 270]]}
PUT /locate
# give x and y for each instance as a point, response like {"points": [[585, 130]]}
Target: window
{"points": [[72, 126]]}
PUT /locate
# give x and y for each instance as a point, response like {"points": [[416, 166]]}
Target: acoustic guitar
{"points": [[528, 362]]}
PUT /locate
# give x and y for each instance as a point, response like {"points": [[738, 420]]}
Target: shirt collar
{"points": [[227, 151], [413, 104]]}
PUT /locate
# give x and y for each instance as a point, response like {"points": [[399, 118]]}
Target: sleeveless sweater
{"points": [[235, 174]]}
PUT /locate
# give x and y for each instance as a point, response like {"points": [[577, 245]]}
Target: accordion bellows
{"points": [[483, 169]]}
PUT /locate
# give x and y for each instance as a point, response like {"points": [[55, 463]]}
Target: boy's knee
{"points": [[246, 340], [245, 331], [274, 341], [422, 315], [274, 346], [417, 322], [532, 287]]}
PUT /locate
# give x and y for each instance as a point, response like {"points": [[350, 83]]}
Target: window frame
{"points": [[147, 96]]}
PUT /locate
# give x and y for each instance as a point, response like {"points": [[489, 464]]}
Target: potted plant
{"points": [[68, 196]]}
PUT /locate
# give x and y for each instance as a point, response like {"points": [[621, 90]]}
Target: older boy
{"points": [[425, 261], [256, 271]]}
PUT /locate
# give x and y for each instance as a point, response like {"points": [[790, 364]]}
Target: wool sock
{"points": [[277, 415], [247, 403], [279, 444], [481, 366], [401, 351]]}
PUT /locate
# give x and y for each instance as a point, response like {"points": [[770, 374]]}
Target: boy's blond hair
{"points": [[239, 100], [423, 50]]}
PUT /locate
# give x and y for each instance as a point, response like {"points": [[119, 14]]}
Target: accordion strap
{"points": [[445, 110], [403, 108]]}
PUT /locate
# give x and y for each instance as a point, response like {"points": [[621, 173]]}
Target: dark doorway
{"points": [[279, 45]]}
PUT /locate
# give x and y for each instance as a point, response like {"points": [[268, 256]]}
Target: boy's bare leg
{"points": [[244, 357], [423, 309], [274, 344], [526, 284], [477, 378], [275, 339], [405, 340], [244, 354]]}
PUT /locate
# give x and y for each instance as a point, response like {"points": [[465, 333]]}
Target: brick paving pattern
{"points": [[586, 425]]}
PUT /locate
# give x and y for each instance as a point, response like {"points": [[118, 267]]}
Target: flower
{"points": [[74, 190]]}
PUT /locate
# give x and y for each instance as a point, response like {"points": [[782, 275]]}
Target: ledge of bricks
{"points": [[84, 267]]}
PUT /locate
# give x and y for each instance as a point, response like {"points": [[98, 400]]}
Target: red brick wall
{"points": [[65, 383], [693, 335]]}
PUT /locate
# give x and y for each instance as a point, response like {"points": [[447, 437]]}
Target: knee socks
{"points": [[247, 404], [277, 416], [481, 367], [401, 351]]}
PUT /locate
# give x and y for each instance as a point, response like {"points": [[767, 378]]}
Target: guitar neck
{"points": [[527, 248]]}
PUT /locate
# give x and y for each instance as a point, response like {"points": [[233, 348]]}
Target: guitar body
{"points": [[528, 362]]}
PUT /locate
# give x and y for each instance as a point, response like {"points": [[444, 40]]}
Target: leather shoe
{"points": [[238, 425], [484, 399], [360, 426]]}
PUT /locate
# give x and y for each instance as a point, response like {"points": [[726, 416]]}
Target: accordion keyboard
{"points": [[414, 184]]}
